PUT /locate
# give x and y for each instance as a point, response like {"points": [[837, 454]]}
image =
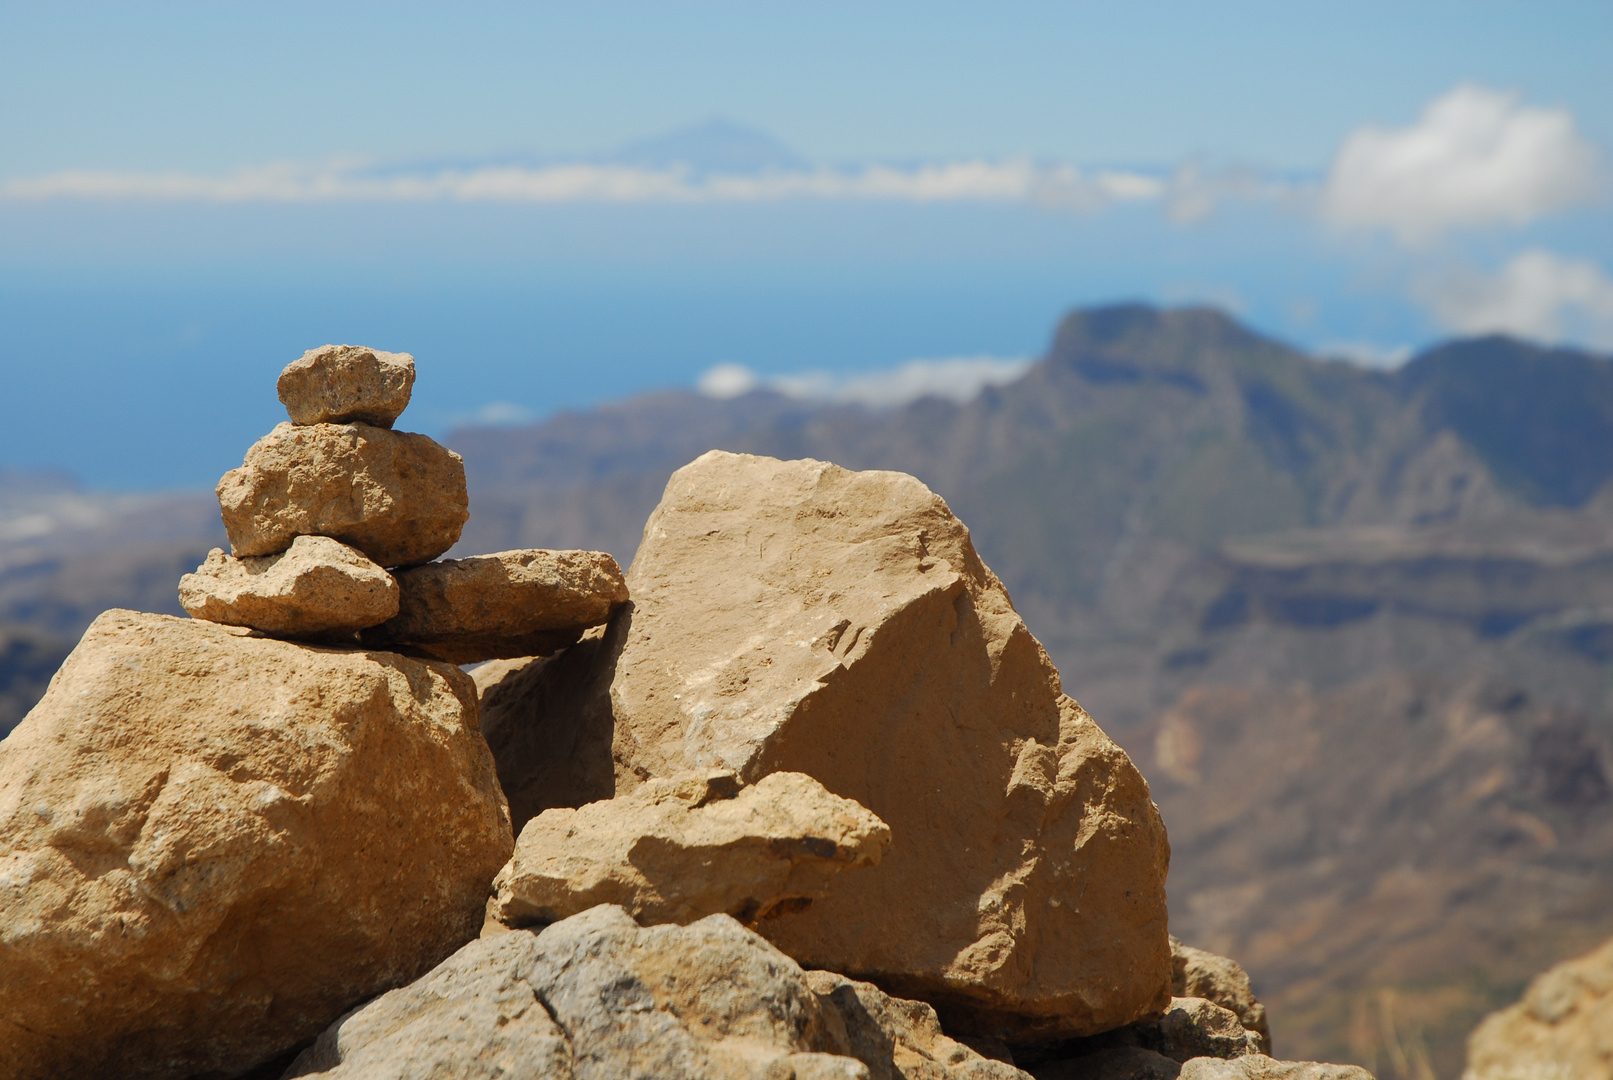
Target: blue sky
{"points": [[190, 195]]}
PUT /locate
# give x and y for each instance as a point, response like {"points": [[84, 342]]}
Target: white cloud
{"points": [[1537, 295], [958, 378], [349, 180], [1475, 157], [495, 414], [1366, 353]]}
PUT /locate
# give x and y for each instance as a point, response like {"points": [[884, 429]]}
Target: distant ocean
{"points": [[140, 371]]}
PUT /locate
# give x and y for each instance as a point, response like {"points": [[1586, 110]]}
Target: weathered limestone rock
{"points": [[1199, 974], [898, 1039], [1190, 1028], [512, 604], [1261, 1067], [597, 997], [316, 586], [707, 1000], [213, 843], [794, 616], [1563, 1027], [347, 384], [1134, 1063], [397, 497], [679, 850]]}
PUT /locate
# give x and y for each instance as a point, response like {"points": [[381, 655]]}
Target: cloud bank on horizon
{"points": [[1476, 159]]}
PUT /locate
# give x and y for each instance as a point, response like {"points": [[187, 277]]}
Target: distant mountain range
{"points": [[1356, 626]]}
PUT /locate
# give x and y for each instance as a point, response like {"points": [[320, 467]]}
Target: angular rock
{"points": [[794, 616], [397, 497], [502, 606], [898, 1039], [707, 1000], [347, 384], [674, 851], [1199, 974], [1261, 1067], [1133, 1063], [1563, 1027], [597, 996], [316, 586], [211, 844]]}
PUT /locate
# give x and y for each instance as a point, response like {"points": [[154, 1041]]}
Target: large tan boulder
{"points": [[316, 586], [681, 849], [598, 997], [510, 604], [1563, 1027], [347, 384], [212, 843], [397, 497], [794, 616]]}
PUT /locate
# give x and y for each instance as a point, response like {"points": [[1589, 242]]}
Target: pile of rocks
{"points": [[813, 804], [324, 504]]}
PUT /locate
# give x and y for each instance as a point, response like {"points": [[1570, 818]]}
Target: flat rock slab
{"points": [[502, 606], [347, 384], [597, 997], [674, 851], [798, 617], [211, 844], [397, 497], [316, 586], [1562, 1027]]}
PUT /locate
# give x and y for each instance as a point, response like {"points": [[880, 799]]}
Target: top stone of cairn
{"points": [[344, 384]]}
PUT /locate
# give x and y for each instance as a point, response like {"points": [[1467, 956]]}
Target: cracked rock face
{"points": [[397, 497], [598, 997], [316, 586], [502, 606], [795, 616], [211, 844], [678, 850], [347, 384]]}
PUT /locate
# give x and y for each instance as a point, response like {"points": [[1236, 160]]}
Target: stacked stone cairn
{"points": [[812, 805], [334, 518]]}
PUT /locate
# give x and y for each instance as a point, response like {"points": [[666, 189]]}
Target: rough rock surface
{"points": [[1261, 1067], [1134, 1063], [681, 849], [511, 604], [213, 843], [1199, 974], [316, 586], [397, 497], [1563, 1027], [597, 997], [347, 384], [794, 616], [899, 1039], [707, 1000]]}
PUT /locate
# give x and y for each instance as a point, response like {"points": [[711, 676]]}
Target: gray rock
{"points": [[1261, 1067], [345, 384], [596, 996]]}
